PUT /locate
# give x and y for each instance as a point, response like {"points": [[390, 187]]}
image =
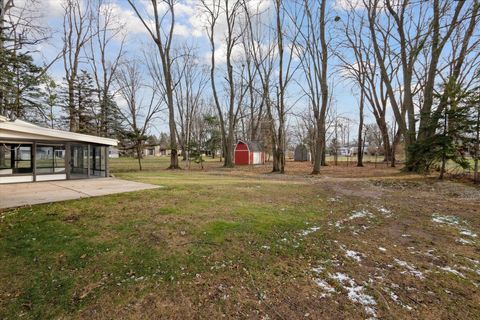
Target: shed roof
{"points": [[253, 146], [22, 130]]}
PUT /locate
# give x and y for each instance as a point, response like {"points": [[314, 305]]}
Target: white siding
{"points": [[51, 177], [16, 179]]}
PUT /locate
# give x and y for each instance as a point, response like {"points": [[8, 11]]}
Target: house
{"points": [[152, 151], [156, 150], [249, 153], [344, 151], [113, 152], [301, 153], [30, 153]]}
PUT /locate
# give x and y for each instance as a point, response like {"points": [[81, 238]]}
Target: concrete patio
{"points": [[23, 194]]}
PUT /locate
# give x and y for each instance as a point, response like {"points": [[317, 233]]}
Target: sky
{"points": [[189, 29]]}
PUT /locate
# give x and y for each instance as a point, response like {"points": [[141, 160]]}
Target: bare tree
{"points": [[285, 71], [77, 32], [360, 66], [229, 11], [251, 122], [140, 109], [161, 32], [191, 82], [313, 50], [418, 27], [105, 55]]}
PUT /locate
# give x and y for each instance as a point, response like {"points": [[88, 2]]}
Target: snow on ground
{"points": [[460, 225], [360, 214], [363, 213], [306, 232], [410, 269], [396, 299], [353, 255], [382, 249], [468, 233], [455, 272], [465, 241], [326, 288], [356, 293], [384, 211], [449, 220]]}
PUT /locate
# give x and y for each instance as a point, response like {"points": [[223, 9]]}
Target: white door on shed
{"points": [[256, 158]]}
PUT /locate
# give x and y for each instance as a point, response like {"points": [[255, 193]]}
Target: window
{"points": [[5, 159], [22, 159], [50, 159], [97, 165]]}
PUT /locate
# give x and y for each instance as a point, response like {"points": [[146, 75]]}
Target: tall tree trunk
{"points": [[320, 114], [139, 156], [360, 130], [72, 114], [476, 177]]}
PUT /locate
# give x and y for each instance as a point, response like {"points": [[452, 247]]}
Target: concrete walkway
{"points": [[22, 194]]}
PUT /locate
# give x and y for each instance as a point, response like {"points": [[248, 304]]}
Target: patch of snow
{"points": [[405, 235], [318, 269], [382, 249], [266, 247], [386, 212], [468, 233], [357, 256], [465, 241], [410, 268], [308, 231], [396, 299], [353, 255], [328, 289], [455, 222], [449, 220], [360, 214], [455, 272], [356, 293]]}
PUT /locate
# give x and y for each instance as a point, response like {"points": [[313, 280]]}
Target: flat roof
{"points": [[26, 131]]}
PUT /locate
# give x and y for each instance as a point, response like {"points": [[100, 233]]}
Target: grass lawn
{"points": [[245, 244]]}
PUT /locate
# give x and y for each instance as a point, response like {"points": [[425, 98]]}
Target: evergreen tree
{"points": [[214, 135], [452, 135], [19, 75], [19, 84]]}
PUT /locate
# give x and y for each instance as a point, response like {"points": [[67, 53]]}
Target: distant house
{"points": [[151, 151], [301, 153], [249, 153], [344, 151], [354, 150], [156, 150], [113, 152]]}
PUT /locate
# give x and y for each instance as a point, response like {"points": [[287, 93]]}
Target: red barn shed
{"points": [[249, 153]]}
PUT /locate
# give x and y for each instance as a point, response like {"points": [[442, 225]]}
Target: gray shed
{"points": [[301, 153]]}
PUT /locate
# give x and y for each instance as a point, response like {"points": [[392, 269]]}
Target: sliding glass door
{"points": [[88, 161], [79, 161], [98, 162]]}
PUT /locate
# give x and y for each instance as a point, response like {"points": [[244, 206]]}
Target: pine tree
{"points": [[452, 135], [19, 75]]}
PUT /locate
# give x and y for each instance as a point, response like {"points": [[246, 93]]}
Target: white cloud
{"points": [[348, 4]]}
